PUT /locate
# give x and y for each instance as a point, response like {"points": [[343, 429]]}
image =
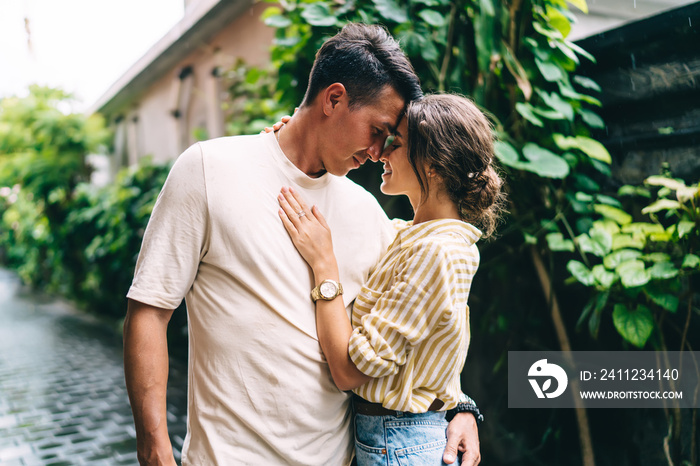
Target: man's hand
{"points": [[156, 454], [463, 437]]}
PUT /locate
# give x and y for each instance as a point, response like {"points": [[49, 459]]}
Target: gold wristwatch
{"points": [[327, 290]]}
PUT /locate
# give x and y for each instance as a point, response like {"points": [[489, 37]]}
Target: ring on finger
{"points": [[301, 213]]}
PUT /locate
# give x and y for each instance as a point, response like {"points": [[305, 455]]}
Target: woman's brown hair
{"points": [[450, 136]]}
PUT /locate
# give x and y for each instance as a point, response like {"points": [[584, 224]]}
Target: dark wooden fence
{"points": [[650, 74]]}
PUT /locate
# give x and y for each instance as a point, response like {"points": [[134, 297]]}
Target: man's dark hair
{"points": [[364, 59]]}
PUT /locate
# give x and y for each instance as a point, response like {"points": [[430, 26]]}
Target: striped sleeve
{"points": [[404, 315]]}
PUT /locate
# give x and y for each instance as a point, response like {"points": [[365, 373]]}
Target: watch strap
{"points": [[466, 405]]}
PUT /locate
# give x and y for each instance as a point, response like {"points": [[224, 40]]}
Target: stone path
{"points": [[62, 394]]}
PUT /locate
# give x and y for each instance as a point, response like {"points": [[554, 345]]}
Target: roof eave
{"points": [[195, 29]]}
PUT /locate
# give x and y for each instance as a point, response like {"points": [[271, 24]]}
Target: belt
{"points": [[368, 408]]}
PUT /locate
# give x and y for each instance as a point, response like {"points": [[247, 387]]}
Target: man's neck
{"points": [[300, 143]]}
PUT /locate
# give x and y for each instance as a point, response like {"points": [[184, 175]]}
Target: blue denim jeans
{"points": [[400, 440]]}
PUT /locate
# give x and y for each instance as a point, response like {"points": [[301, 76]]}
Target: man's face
{"points": [[358, 134]]}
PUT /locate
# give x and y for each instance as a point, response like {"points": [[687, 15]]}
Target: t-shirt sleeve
{"points": [[405, 314], [175, 239]]}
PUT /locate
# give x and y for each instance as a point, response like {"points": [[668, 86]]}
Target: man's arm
{"points": [[146, 373]]}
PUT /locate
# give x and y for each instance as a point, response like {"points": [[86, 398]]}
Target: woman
{"points": [[405, 348]]}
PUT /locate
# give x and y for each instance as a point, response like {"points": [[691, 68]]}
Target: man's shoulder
{"points": [[230, 145]]}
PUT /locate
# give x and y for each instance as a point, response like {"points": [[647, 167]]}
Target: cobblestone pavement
{"points": [[62, 394]]}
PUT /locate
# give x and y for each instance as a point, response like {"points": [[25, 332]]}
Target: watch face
{"points": [[328, 290]]}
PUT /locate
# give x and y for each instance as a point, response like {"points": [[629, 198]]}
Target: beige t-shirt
{"points": [[260, 391]]}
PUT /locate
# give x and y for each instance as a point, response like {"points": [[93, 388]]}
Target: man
{"points": [[259, 388]]}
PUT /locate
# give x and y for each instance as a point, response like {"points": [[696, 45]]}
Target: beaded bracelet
{"points": [[466, 405]]}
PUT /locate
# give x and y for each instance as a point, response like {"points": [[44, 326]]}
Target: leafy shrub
{"points": [[105, 227], [641, 269], [90, 256]]}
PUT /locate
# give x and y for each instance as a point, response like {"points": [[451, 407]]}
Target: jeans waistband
{"points": [[368, 408]]}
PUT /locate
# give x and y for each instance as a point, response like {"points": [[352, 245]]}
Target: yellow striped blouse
{"points": [[411, 320]]}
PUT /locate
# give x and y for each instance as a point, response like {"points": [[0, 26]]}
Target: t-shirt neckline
{"points": [[291, 171]]}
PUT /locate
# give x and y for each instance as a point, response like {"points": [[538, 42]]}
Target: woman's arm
{"points": [[312, 237]]}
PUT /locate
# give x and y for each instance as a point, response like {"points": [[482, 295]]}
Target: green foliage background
{"points": [[581, 262], [57, 230], [568, 271]]}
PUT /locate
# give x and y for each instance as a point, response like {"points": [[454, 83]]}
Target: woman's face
{"points": [[399, 177]]}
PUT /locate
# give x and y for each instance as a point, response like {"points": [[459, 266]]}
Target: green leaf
{"points": [[628, 190], [390, 9], [581, 273], [432, 17], [526, 111], [613, 213], [595, 304], [551, 33], [633, 273], [598, 243], [661, 204], [593, 149], [663, 270], [588, 83], [643, 227], [609, 200], [580, 4], [607, 225], [411, 42], [558, 21], [318, 14], [544, 162], [634, 326], [529, 239], [591, 118], [556, 242], [687, 193], [566, 50], [487, 7], [604, 277], [585, 183], [603, 239], [429, 52], [662, 237], [667, 301], [580, 51], [506, 153], [656, 257], [594, 322], [485, 42], [590, 147], [621, 241], [664, 181], [550, 71], [615, 258], [555, 102], [583, 197], [569, 92], [685, 227], [278, 21], [549, 114], [691, 261]]}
